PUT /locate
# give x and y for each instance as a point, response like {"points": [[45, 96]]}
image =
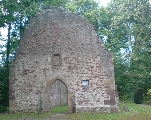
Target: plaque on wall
{"points": [[56, 59]]}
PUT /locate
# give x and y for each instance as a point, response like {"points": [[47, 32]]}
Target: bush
{"points": [[3, 108], [147, 99]]}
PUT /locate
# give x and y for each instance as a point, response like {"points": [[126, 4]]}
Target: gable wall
{"points": [[82, 57]]}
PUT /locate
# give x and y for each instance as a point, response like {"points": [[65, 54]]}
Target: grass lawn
{"points": [[59, 109], [128, 111], [24, 116]]}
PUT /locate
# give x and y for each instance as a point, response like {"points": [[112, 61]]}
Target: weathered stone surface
{"points": [[114, 109], [110, 102], [59, 45]]}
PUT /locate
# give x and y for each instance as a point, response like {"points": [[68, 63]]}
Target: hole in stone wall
{"points": [[85, 84], [56, 59]]}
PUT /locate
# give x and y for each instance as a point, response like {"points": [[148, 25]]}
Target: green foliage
{"points": [[128, 37], [125, 84], [40, 104], [3, 108], [16, 15], [87, 8], [147, 98], [149, 94], [4, 87]]}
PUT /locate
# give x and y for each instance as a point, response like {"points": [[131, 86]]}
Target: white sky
{"points": [[103, 2]]}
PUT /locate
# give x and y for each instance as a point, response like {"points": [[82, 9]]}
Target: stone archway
{"points": [[47, 93], [58, 93]]}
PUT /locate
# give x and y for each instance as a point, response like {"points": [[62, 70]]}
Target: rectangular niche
{"points": [[85, 84], [56, 59]]}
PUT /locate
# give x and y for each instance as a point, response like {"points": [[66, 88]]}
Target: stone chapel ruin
{"points": [[60, 61]]}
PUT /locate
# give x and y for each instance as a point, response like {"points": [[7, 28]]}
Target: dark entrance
{"points": [[58, 93]]}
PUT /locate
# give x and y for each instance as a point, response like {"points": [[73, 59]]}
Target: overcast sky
{"points": [[103, 2]]}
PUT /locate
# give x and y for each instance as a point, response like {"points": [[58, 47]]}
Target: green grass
{"points": [[59, 109], [129, 111], [22, 116]]}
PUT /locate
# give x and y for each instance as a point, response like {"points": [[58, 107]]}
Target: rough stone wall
{"points": [[61, 44]]}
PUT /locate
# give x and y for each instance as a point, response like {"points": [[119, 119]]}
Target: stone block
{"points": [[11, 81], [12, 97], [110, 102], [114, 109], [11, 103]]}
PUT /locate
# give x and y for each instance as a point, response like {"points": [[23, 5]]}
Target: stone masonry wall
{"points": [[61, 44]]}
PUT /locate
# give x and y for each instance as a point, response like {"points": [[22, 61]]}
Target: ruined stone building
{"points": [[60, 61]]}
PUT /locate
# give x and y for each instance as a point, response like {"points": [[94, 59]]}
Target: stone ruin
{"points": [[60, 61]]}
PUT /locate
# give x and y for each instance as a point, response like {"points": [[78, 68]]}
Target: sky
{"points": [[103, 2]]}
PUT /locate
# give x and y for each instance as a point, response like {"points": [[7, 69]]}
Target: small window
{"points": [[56, 59], [85, 84]]}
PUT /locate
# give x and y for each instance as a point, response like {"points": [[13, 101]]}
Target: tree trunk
{"points": [[8, 42]]}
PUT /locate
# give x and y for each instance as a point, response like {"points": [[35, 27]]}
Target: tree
{"points": [[89, 9], [128, 36], [15, 14]]}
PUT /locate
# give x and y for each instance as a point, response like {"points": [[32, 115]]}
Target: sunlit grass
{"points": [[129, 111], [59, 109]]}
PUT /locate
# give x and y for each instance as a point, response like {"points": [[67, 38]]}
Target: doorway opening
{"points": [[58, 94]]}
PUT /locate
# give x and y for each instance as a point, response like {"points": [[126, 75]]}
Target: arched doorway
{"points": [[58, 94], [50, 91]]}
